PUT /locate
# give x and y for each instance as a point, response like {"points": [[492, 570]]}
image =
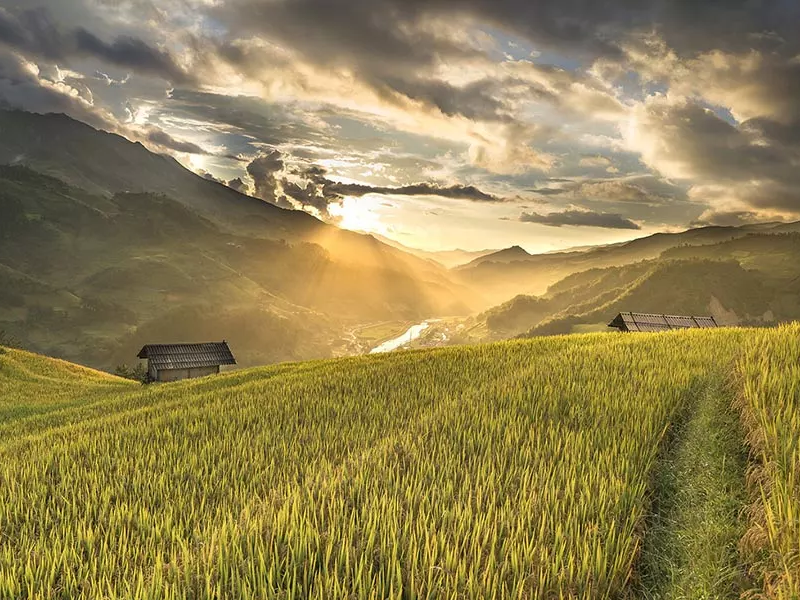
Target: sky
{"points": [[442, 124]]}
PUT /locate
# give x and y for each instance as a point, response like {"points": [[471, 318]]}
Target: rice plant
{"points": [[770, 402], [511, 470]]}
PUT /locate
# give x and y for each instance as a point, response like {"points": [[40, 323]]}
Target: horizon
{"points": [[440, 125]]}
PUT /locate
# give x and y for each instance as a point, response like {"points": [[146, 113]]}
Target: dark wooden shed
{"points": [[172, 362], [631, 321]]}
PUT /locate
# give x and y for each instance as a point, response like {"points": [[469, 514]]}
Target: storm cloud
{"points": [[264, 171], [33, 32], [580, 218], [461, 192], [620, 115]]}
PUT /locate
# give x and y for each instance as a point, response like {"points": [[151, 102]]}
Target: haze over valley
{"points": [[106, 246]]}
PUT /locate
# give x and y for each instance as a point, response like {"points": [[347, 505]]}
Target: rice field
{"points": [[513, 470], [770, 403]]}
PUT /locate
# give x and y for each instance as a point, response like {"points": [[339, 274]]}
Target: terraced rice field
{"points": [[525, 469]]}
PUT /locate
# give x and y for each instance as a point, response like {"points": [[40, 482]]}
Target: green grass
{"points": [[525, 469], [699, 491]]}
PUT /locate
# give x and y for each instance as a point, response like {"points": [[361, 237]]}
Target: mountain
{"points": [[750, 280], [516, 272], [723, 289], [507, 255], [105, 245], [104, 164], [446, 258]]}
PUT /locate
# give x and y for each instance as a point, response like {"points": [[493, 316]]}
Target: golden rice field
{"points": [[513, 470]]}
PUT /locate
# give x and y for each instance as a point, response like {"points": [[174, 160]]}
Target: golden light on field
{"points": [[356, 214]]}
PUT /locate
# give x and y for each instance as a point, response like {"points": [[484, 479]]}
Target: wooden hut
{"points": [[171, 362], [631, 321]]}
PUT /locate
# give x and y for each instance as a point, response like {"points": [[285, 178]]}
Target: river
{"points": [[409, 336]]}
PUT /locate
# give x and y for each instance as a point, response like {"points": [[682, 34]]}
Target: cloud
{"points": [[265, 170], [162, 138], [580, 218], [132, 53], [595, 161], [33, 32], [239, 185], [706, 94], [461, 192], [645, 190], [309, 186], [731, 167]]}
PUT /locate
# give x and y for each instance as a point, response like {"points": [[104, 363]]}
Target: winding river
{"points": [[409, 336]]}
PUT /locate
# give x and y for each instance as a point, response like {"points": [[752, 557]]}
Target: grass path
{"points": [[690, 549]]}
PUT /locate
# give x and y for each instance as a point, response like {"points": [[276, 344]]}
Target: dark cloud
{"points": [[727, 219], [130, 52], [268, 123], [395, 48], [641, 190], [162, 138], [403, 32], [461, 192], [238, 185], [265, 171], [34, 33], [211, 177], [333, 191], [580, 218], [753, 164], [310, 186]]}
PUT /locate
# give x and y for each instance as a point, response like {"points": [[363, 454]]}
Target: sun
{"points": [[356, 214]]}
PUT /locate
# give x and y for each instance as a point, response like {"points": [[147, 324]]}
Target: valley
{"points": [[95, 263]]}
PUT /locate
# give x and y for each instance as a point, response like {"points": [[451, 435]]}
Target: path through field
{"points": [[690, 550]]}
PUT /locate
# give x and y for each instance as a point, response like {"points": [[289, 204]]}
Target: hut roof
{"points": [[188, 356], [631, 321]]}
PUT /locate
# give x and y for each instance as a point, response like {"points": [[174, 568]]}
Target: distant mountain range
{"points": [[507, 273], [752, 279], [446, 258], [105, 246]]}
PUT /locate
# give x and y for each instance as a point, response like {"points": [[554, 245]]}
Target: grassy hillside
{"points": [[102, 242], [513, 470], [723, 289], [91, 278], [751, 280], [505, 274]]}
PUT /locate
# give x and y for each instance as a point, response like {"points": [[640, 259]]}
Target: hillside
{"points": [[104, 164], [105, 246], [750, 280], [525, 469], [514, 272], [91, 277], [732, 295]]}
